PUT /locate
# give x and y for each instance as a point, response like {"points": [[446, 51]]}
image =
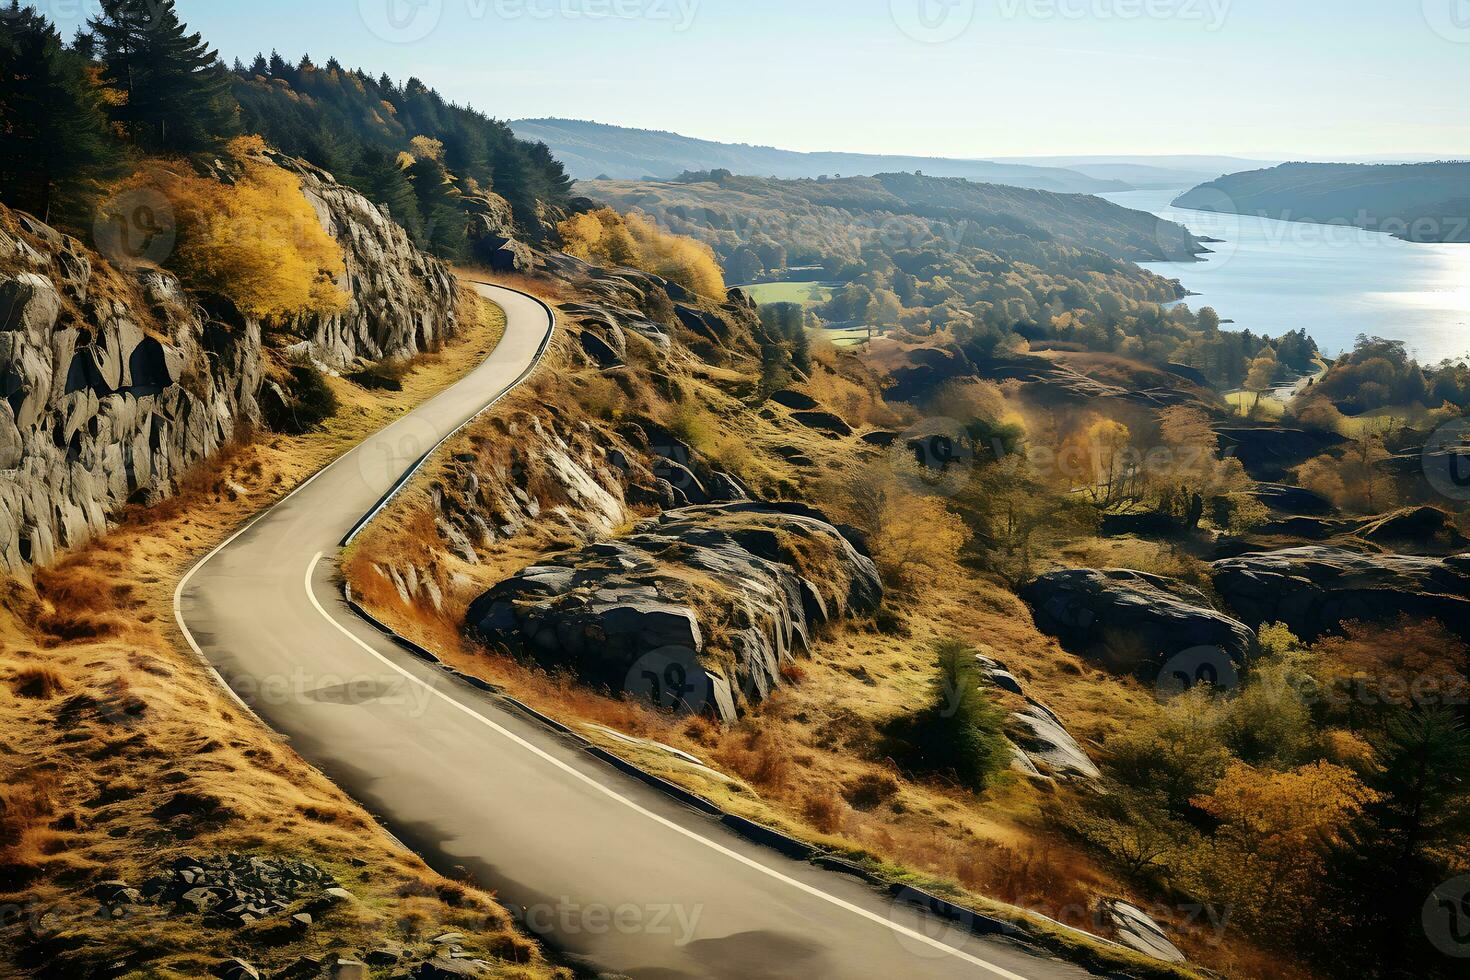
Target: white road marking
{"points": [[671, 825], [756, 865]]}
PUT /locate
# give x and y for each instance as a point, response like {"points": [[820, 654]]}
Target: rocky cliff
{"points": [[115, 383]]}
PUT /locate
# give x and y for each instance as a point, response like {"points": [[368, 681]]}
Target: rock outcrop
{"points": [[697, 609], [1131, 621], [1135, 929], [1041, 745], [112, 389], [1313, 590], [1268, 451], [402, 301], [115, 384]]}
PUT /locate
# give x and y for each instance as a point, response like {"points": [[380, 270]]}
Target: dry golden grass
{"points": [[120, 752], [808, 760]]}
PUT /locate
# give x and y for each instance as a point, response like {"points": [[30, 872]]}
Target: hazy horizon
{"points": [[969, 79]]}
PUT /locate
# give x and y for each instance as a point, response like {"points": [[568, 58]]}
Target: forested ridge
{"points": [[981, 264], [1421, 202]]}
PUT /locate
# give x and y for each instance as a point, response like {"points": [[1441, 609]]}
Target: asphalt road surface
{"points": [[616, 877]]}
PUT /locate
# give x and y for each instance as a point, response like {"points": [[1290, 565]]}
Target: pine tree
{"points": [[176, 93], [56, 151], [379, 177]]}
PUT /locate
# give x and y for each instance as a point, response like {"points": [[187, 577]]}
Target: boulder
{"points": [[696, 609], [1314, 589], [705, 324], [1133, 928], [1040, 734], [1131, 621], [235, 969]]}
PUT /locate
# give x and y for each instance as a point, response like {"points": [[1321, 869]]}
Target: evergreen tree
{"points": [[379, 177], [444, 221], [56, 151], [176, 93]]}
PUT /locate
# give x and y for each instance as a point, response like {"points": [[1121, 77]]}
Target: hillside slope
{"points": [[592, 150], [1420, 202]]}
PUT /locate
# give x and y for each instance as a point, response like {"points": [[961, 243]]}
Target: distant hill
{"points": [[730, 210], [591, 150], [1147, 171], [1421, 202]]}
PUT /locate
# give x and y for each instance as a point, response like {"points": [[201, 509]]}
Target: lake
{"points": [[1273, 276]]}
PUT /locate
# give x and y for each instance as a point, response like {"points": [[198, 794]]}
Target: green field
{"points": [[805, 293]]}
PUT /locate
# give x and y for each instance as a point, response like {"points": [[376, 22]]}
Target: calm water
{"points": [[1273, 276]]}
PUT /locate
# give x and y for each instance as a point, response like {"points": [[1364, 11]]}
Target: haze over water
{"points": [[1273, 276]]}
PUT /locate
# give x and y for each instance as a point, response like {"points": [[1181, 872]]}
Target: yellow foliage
{"points": [[427, 148], [1277, 829], [607, 237], [919, 541], [256, 242]]}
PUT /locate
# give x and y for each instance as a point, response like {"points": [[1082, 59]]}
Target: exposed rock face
{"points": [[1315, 589], [1133, 928], [114, 386], [1414, 527], [697, 608], [1131, 621], [103, 400], [567, 477], [1041, 745], [402, 300]]}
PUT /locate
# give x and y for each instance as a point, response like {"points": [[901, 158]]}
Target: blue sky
{"points": [[969, 78]]}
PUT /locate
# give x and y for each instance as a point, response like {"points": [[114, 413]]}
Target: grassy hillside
{"points": [[591, 150], [1420, 202]]}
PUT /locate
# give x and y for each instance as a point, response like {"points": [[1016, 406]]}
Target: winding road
{"points": [[618, 878]]}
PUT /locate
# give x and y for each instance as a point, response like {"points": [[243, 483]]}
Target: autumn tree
{"points": [[1261, 376], [633, 240], [1270, 852], [1098, 455]]}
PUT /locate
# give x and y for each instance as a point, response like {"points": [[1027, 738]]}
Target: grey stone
{"points": [[1131, 621], [1314, 589], [1134, 929], [624, 613]]}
